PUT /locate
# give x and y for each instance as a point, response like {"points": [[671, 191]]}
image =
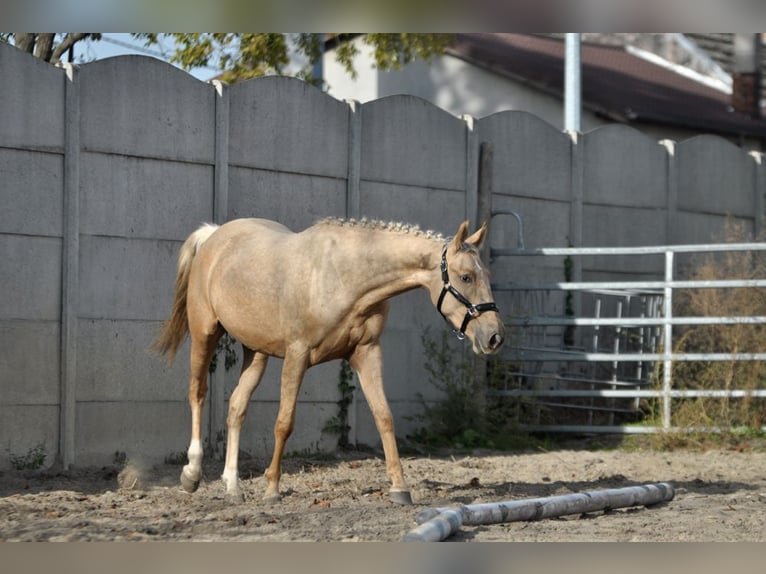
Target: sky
{"points": [[117, 44]]}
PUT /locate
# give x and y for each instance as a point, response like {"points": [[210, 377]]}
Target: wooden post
{"points": [[484, 214]]}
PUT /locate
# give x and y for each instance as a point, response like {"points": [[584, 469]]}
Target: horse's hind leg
{"points": [[253, 365], [203, 343]]}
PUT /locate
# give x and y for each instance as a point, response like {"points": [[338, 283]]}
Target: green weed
{"points": [[34, 458]]}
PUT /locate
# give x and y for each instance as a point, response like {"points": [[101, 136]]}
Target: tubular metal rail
{"points": [[663, 322]]}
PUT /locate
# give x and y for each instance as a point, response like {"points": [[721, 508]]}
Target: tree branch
{"points": [[69, 41]]}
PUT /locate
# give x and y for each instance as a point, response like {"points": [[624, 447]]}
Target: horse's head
{"points": [[465, 297]]}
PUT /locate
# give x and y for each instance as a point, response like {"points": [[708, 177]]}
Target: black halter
{"points": [[472, 312]]}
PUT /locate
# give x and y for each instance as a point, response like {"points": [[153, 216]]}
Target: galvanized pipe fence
{"points": [[658, 299]]}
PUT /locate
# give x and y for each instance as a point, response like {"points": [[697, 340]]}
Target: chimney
{"points": [[746, 76]]}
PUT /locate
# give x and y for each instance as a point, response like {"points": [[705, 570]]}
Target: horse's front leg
{"points": [[367, 360], [293, 369]]}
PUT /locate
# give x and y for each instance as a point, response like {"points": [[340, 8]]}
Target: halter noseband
{"points": [[472, 312]]}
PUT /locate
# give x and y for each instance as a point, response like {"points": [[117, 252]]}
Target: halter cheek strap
{"points": [[472, 311]]}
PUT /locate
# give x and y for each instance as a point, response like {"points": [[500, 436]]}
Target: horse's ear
{"points": [[478, 237], [459, 239]]}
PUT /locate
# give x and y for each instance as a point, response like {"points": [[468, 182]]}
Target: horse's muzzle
{"points": [[489, 338]]}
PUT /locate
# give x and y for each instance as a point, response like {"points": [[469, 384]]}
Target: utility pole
{"points": [[572, 83]]}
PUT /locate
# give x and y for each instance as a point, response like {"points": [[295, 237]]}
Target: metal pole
{"points": [[668, 336], [439, 523], [572, 83]]}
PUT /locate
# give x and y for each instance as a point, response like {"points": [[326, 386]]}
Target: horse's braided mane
{"points": [[376, 224]]}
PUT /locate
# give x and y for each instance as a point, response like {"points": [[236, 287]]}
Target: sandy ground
{"points": [[720, 496]]}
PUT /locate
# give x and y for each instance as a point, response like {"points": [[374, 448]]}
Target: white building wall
{"points": [[448, 82]]}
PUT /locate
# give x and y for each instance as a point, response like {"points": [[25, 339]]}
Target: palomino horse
{"points": [[311, 297]]}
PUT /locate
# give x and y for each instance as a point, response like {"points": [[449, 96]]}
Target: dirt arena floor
{"points": [[720, 495]]}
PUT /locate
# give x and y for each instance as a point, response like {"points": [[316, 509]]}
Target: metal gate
{"points": [[627, 352]]}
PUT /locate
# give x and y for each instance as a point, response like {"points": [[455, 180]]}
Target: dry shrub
{"points": [[747, 413]]}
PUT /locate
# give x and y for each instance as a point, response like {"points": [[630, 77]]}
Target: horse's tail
{"points": [[176, 326]]}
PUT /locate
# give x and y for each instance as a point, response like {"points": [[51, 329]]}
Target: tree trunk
{"points": [[24, 41], [44, 47]]}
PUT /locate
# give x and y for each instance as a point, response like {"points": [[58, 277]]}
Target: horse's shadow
{"points": [[509, 490]]}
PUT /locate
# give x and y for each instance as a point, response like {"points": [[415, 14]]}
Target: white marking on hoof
{"points": [[234, 494], [229, 478], [234, 498]]}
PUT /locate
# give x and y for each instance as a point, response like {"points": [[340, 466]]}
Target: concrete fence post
{"points": [[221, 190], [471, 173], [354, 211], [70, 270], [353, 197], [576, 211], [220, 208], [671, 206]]}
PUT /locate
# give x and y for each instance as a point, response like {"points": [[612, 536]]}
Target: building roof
{"points": [[615, 84]]}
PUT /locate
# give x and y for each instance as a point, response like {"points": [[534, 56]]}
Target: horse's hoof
{"points": [[271, 499], [189, 484], [401, 497], [233, 498]]}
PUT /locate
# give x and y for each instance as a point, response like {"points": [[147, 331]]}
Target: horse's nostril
{"points": [[495, 341]]}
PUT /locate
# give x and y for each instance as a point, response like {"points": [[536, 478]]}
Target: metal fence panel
{"points": [[663, 320]]}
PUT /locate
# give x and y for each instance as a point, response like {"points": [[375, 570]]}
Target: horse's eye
{"points": [[466, 278]]}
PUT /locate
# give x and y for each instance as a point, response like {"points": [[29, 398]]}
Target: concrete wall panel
{"points": [[32, 100], [135, 197], [545, 223], [31, 185], [619, 227], [320, 382], [29, 362], [531, 157], [257, 437], [701, 227], [275, 195], [130, 105], [407, 140], [126, 279], [284, 124], [622, 166], [126, 369], [436, 209], [715, 176], [146, 431], [404, 362], [30, 277], [18, 438]]}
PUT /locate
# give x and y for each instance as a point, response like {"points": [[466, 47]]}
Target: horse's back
{"points": [[253, 225], [269, 287]]}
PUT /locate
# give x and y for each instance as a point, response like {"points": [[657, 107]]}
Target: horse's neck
{"points": [[394, 263]]}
